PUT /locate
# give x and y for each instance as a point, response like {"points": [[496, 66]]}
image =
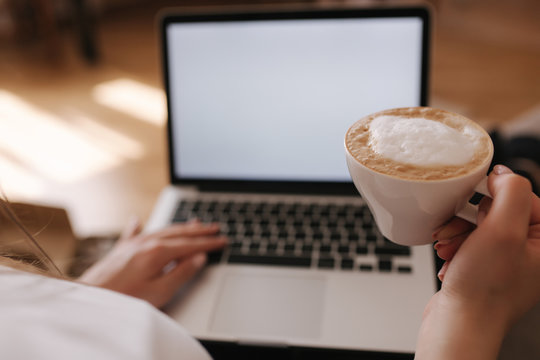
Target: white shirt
{"points": [[46, 318]]}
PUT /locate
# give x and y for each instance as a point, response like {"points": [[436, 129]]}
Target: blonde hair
{"points": [[36, 260]]}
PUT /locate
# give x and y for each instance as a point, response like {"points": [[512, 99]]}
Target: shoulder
{"points": [[52, 317]]}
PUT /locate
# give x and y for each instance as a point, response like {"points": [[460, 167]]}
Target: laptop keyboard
{"points": [[298, 234]]}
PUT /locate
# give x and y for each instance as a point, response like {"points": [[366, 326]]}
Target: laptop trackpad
{"points": [[279, 307]]}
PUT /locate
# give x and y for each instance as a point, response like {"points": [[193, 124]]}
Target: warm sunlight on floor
{"points": [[134, 98], [51, 148]]}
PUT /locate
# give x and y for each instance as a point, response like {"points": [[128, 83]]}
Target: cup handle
{"points": [[469, 212]]}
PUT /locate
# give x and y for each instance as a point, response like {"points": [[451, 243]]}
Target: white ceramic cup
{"points": [[406, 211]]}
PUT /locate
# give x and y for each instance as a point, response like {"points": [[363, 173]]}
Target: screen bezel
{"points": [[283, 186]]}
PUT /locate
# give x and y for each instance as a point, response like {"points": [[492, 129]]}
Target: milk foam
{"points": [[422, 142]]}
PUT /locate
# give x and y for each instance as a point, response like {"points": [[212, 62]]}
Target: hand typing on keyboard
{"points": [[136, 264]]}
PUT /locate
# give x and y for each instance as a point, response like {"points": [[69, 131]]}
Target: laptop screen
{"points": [[271, 99]]}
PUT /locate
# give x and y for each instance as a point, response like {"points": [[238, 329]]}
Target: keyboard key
{"points": [[227, 206], [181, 216], [236, 245], [333, 226], [274, 209], [272, 247], [385, 265], [295, 261], [308, 211], [371, 237], [361, 250], [404, 269], [288, 248], [259, 209], [242, 208], [358, 212], [196, 206], [265, 233], [393, 250], [353, 237], [347, 263], [326, 263], [307, 248], [365, 267], [325, 248], [343, 249], [324, 211], [212, 206], [341, 212]]}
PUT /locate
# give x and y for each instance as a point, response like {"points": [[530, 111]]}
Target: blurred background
{"points": [[82, 107]]}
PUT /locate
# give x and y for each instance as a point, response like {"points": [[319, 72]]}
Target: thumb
{"points": [[510, 210]]}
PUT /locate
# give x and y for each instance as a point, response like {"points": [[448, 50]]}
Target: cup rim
{"points": [[473, 171]]}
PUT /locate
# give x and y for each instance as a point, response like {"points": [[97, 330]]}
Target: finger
{"points": [[178, 249], [534, 231], [483, 209], [132, 228], [443, 270], [510, 211], [535, 210], [453, 228], [184, 271], [447, 249], [188, 229], [535, 200]]}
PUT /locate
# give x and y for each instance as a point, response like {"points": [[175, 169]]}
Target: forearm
{"points": [[450, 331]]}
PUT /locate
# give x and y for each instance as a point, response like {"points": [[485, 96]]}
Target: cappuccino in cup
{"points": [[416, 168], [418, 143]]}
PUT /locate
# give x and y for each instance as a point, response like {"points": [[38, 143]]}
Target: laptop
{"points": [[258, 106]]}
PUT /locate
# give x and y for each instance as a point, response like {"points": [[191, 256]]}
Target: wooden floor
{"points": [[91, 139]]}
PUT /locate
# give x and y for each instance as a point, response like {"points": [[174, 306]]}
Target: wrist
{"points": [[456, 329]]}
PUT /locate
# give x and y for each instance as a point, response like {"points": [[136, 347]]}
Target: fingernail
{"points": [[441, 243], [501, 169], [442, 272], [444, 235], [445, 241], [440, 275]]}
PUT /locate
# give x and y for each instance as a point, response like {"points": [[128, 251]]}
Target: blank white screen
{"points": [[272, 100]]}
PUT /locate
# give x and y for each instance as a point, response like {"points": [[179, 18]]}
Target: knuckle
{"points": [[152, 248]]}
